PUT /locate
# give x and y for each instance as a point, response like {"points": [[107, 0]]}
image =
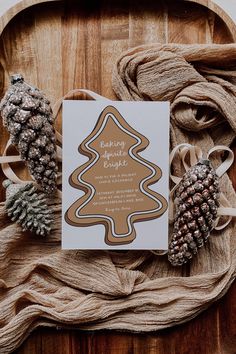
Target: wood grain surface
{"points": [[63, 45]]}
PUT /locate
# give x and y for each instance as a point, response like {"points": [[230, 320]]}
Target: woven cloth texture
{"points": [[138, 291]]}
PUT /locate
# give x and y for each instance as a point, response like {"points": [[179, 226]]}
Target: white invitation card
{"points": [[115, 175]]}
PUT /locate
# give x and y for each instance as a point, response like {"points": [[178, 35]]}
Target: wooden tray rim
{"points": [[24, 4]]}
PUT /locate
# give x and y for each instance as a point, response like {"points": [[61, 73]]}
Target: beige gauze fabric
{"points": [[138, 291]]}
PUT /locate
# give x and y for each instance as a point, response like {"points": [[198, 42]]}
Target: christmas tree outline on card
{"points": [[120, 197]]}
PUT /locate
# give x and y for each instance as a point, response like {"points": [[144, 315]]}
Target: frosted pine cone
{"points": [[27, 206], [28, 117], [197, 201]]}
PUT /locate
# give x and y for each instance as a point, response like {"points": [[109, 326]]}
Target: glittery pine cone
{"points": [[27, 206], [197, 201], [27, 114]]}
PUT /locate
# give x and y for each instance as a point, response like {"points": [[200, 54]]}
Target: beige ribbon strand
{"points": [[6, 168], [220, 171]]}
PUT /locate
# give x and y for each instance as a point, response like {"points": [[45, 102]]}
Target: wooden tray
{"points": [[61, 45]]}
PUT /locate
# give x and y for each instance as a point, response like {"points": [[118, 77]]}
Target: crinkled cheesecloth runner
{"points": [[137, 291]]}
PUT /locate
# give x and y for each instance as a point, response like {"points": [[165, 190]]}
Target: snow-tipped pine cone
{"points": [[27, 206], [197, 202], [27, 114]]}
